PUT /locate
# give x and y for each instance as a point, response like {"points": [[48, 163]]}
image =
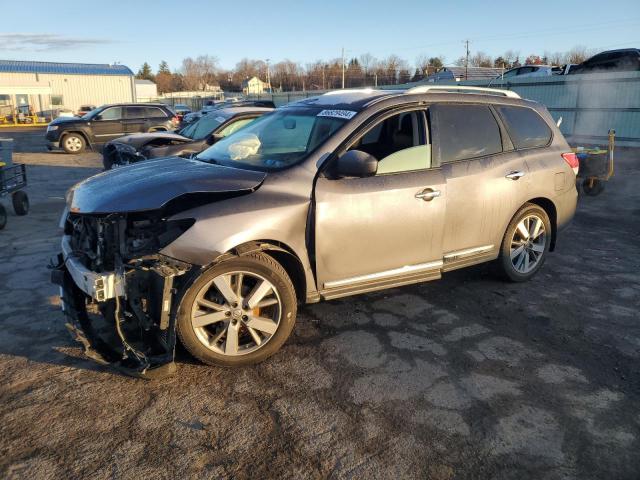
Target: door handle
{"points": [[428, 194], [515, 175]]}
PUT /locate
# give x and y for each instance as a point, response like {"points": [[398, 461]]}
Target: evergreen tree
{"points": [[145, 72], [164, 67]]}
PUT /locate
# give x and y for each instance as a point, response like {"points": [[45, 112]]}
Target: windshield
{"points": [[277, 140], [202, 128], [93, 112]]}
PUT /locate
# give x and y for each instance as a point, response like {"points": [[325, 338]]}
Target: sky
{"points": [[132, 32]]}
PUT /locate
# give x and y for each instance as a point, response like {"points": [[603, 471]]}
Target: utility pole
{"points": [[466, 63], [268, 76], [343, 67]]}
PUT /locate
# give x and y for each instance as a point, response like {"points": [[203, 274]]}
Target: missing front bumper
{"points": [[133, 330]]}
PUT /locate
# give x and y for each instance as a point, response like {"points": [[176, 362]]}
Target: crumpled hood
{"points": [[149, 185], [138, 140]]}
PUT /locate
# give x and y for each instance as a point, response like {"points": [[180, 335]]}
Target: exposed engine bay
{"points": [[131, 325], [128, 150]]}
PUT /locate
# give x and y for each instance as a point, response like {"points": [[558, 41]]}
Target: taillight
{"points": [[175, 120], [572, 159]]}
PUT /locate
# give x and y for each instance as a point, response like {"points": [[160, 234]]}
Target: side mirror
{"points": [[356, 163], [98, 117], [214, 138]]}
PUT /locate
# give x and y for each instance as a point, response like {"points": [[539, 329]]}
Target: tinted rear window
{"points": [[155, 112], [466, 131], [526, 128], [136, 112]]}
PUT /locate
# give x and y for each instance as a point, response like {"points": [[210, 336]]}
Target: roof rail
{"points": [[463, 89]]}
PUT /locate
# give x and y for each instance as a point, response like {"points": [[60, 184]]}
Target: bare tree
{"points": [[366, 62], [577, 54], [555, 58], [199, 73], [481, 59]]}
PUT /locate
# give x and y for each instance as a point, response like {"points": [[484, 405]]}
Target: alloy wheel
{"points": [[236, 313], [73, 143], [528, 243]]}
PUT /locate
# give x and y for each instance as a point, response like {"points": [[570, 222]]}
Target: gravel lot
{"points": [[467, 377]]}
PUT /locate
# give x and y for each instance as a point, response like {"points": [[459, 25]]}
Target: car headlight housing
{"points": [[51, 128]]}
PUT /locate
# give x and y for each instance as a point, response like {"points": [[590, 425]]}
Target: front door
{"points": [[108, 125], [386, 229]]}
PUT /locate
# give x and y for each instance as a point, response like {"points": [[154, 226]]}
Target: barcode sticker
{"points": [[346, 114]]}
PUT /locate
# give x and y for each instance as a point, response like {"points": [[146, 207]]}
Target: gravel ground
{"points": [[466, 377]]}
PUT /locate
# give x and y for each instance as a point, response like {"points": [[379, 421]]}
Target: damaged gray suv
{"points": [[348, 192]]}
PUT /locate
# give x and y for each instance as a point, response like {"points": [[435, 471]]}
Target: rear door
{"points": [[486, 179], [135, 120], [156, 117], [385, 228], [108, 125]]}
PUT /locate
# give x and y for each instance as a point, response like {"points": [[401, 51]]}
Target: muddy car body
{"points": [[225, 251], [185, 142]]}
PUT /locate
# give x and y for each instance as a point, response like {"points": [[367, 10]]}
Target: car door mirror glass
{"points": [[356, 163]]}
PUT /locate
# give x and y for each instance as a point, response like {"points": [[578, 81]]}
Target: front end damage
{"points": [[118, 154], [120, 296]]}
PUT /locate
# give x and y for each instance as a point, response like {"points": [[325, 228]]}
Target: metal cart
{"points": [[13, 179], [596, 166]]}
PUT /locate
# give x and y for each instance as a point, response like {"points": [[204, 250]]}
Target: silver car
{"points": [[349, 192]]}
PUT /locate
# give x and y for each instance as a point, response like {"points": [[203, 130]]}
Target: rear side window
{"points": [[136, 112], [526, 128], [465, 131], [154, 112]]}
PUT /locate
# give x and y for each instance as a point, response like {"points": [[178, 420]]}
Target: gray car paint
{"points": [[290, 208]]}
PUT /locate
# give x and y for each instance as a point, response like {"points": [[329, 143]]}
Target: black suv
{"points": [[107, 122], [624, 60]]}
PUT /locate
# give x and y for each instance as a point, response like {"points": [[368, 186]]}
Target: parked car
{"points": [[528, 71], [106, 123], [192, 117], [181, 110], [190, 140], [84, 109], [348, 192], [624, 60]]}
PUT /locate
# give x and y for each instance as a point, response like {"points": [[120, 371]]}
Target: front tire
{"points": [[3, 217], [73, 143], [525, 244], [20, 202], [238, 312]]}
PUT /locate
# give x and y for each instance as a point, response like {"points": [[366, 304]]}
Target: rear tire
{"points": [[73, 143], [525, 244], [3, 217], [593, 187], [239, 312], [20, 202]]}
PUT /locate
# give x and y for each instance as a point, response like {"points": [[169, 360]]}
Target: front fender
{"points": [[266, 215]]}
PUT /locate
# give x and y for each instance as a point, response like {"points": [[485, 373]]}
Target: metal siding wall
{"points": [[589, 104], [81, 89]]}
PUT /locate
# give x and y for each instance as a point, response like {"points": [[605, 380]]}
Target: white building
{"points": [[45, 86], [254, 86], [146, 90]]}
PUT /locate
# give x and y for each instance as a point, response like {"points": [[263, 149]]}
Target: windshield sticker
{"points": [[220, 119], [345, 114]]}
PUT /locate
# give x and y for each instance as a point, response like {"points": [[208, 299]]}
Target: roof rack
{"points": [[463, 89]]}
